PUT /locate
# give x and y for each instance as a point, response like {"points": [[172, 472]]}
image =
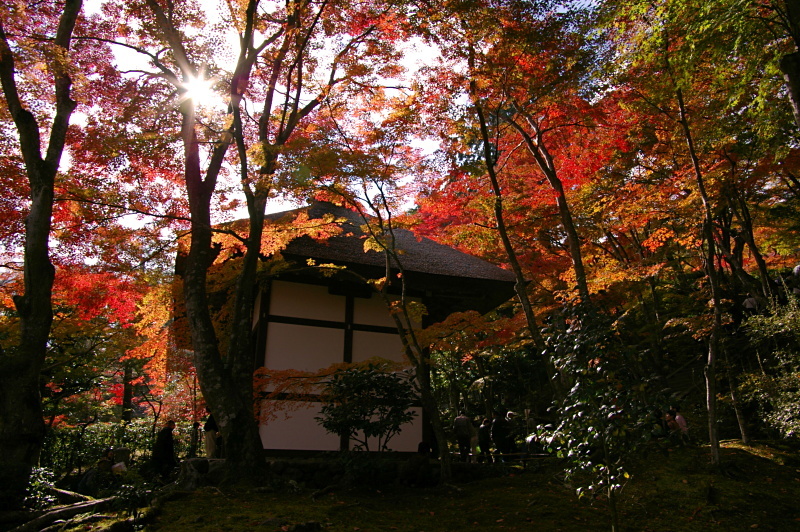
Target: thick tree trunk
{"points": [[227, 385], [21, 424], [229, 398]]}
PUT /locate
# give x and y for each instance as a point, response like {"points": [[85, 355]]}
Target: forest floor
{"points": [[670, 490]]}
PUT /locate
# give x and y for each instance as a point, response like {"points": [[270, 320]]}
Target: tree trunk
{"points": [[127, 393], [520, 286], [230, 402], [710, 370], [226, 385], [544, 160], [790, 66], [22, 428], [737, 405], [790, 63]]}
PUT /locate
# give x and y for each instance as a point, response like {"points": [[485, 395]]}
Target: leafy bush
{"points": [[600, 419], [39, 496], [774, 387], [364, 402], [68, 448]]}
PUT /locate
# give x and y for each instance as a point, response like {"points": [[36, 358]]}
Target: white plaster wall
{"points": [[373, 311], [298, 432], [302, 348], [298, 300], [306, 348], [408, 439], [371, 344]]}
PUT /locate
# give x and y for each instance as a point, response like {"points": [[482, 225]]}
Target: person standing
{"points": [[680, 420], [164, 450], [210, 437], [462, 427], [195, 440], [501, 434], [485, 440]]}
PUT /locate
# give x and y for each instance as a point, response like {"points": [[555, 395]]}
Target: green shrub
{"points": [[39, 496], [364, 402], [67, 448]]}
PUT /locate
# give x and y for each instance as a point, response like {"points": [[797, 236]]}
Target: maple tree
{"points": [[679, 91], [277, 81], [70, 184], [529, 123], [23, 426], [649, 173]]}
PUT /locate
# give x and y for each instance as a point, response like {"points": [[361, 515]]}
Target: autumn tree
{"points": [[709, 145], [289, 60], [30, 35]]}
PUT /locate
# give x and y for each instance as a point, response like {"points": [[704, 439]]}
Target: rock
{"points": [[197, 472]]}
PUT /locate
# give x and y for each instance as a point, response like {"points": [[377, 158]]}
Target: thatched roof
{"points": [[421, 255]]}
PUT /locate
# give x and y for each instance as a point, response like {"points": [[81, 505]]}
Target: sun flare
{"points": [[201, 92]]}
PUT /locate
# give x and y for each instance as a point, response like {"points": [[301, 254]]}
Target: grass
{"points": [[674, 490]]}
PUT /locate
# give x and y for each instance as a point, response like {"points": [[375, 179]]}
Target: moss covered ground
{"points": [[669, 490]]}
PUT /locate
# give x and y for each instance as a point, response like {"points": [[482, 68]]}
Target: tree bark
{"points": [[22, 428], [790, 66], [790, 63], [544, 160], [710, 370], [520, 286], [230, 401], [227, 385]]}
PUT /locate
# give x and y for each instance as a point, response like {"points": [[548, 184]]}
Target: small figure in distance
{"points": [[417, 471], [673, 429], [501, 434], [164, 450], [681, 421], [97, 477], [462, 427], [210, 437], [485, 440]]}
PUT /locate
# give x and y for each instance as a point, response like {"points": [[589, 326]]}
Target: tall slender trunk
{"points": [[127, 393], [544, 160], [418, 355], [711, 273], [22, 427], [520, 286], [737, 404]]}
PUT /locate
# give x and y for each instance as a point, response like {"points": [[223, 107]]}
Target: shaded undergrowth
{"points": [[670, 489]]}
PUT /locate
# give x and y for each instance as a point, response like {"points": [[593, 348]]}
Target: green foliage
{"points": [[776, 337], [38, 495], [134, 494], [600, 419], [364, 402], [68, 448]]}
